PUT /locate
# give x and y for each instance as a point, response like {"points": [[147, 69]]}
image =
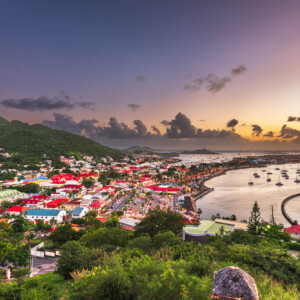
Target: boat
{"points": [[277, 169], [269, 173], [250, 182], [297, 180], [268, 179], [279, 183]]}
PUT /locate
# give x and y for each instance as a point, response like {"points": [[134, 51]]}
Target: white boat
{"points": [[268, 179]]}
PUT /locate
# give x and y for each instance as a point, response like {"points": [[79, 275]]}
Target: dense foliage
{"points": [[108, 262]]}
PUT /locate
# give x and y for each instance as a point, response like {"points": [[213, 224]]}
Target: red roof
{"points": [[293, 229], [17, 208], [55, 202]]}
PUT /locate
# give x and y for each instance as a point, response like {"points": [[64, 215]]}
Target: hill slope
{"points": [[29, 143], [2, 120]]}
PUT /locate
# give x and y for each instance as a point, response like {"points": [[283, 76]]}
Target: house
{"points": [[55, 203], [128, 223], [206, 228], [78, 212], [16, 210], [294, 231], [33, 215]]}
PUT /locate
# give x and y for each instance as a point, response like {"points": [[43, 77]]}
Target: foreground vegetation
{"points": [[103, 261]]}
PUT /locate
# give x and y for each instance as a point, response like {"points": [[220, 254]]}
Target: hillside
{"points": [[2, 120], [28, 143]]}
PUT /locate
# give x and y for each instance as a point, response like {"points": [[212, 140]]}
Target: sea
{"points": [[233, 195]]}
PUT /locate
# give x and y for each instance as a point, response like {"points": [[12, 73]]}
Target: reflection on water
{"points": [[233, 195]]}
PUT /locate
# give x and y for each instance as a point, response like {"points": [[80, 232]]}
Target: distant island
{"points": [[139, 148], [199, 151]]}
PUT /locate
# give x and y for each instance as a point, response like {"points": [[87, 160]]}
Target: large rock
{"points": [[233, 283]]}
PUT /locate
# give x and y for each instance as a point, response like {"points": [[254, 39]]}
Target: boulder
{"points": [[233, 283]]}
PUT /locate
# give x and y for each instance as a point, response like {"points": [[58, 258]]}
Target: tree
{"points": [[199, 211], [20, 225], [30, 188], [254, 224], [63, 234], [74, 256], [88, 182], [105, 236], [158, 220]]}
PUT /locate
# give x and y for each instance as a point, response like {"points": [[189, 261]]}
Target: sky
{"points": [[170, 74]]}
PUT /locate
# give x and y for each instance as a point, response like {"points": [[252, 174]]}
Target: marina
{"points": [[235, 194]]}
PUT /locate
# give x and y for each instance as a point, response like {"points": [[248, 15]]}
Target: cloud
{"points": [[134, 106], [181, 127], [212, 82], [165, 122], [256, 130], [156, 130], [141, 78], [241, 69], [216, 84], [290, 133], [293, 119], [243, 125], [178, 128], [232, 123], [45, 103], [269, 134]]}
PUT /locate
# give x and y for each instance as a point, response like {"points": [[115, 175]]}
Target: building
{"points": [[206, 228], [78, 212], [294, 231], [33, 215], [16, 210], [128, 223]]}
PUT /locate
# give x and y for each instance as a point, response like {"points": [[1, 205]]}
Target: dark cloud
{"points": [[45, 103], [232, 123], [134, 106], [181, 127], [165, 122], [215, 83], [178, 128], [269, 134], [293, 119], [212, 82], [290, 133], [256, 130], [241, 69], [141, 78], [156, 130], [63, 122]]}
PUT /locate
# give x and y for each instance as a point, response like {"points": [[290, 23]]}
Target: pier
{"points": [[283, 203]]}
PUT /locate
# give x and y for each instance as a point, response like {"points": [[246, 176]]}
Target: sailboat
{"points": [[269, 173], [297, 180], [268, 178], [279, 183]]}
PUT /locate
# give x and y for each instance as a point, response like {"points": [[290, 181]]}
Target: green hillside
{"points": [[2, 120], [28, 143]]}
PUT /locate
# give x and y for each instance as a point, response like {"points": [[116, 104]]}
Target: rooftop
{"points": [[207, 226]]}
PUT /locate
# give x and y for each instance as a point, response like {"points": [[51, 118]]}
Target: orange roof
{"points": [[3, 220]]}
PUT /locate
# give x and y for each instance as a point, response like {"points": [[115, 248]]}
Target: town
{"points": [[85, 192]]}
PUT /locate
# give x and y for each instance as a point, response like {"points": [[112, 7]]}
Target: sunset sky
{"points": [[215, 74]]}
